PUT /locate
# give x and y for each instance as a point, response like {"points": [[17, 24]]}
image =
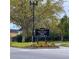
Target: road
{"points": [[60, 53]]}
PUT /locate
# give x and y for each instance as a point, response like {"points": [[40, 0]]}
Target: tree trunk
{"points": [[23, 35], [61, 37], [26, 34], [23, 38]]}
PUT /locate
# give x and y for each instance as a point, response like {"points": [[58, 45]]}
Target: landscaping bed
{"points": [[33, 45]]}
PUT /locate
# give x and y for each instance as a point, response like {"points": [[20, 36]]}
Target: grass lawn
{"points": [[63, 43], [20, 44]]}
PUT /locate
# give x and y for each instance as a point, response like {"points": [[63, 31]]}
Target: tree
{"points": [[64, 26], [21, 14]]}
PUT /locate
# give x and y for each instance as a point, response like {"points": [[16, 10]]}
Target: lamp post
{"points": [[33, 3]]}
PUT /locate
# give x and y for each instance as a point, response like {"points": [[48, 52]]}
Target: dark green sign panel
{"points": [[42, 32]]}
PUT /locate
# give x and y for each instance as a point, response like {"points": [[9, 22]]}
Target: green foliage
{"points": [[21, 12], [64, 26]]}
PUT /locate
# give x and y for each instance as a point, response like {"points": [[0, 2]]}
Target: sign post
{"points": [[33, 3]]}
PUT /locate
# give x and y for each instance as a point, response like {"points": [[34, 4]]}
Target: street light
{"points": [[33, 3]]}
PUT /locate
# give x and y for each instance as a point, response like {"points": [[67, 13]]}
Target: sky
{"points": [[66, 8]]}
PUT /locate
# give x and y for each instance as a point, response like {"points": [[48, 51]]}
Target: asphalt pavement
{"points": [[58, 53]]}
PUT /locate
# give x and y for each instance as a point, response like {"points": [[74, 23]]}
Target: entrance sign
{"points": [[42, 32]]}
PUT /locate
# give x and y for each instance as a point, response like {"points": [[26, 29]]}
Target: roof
{"points": [[14, 30]]}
